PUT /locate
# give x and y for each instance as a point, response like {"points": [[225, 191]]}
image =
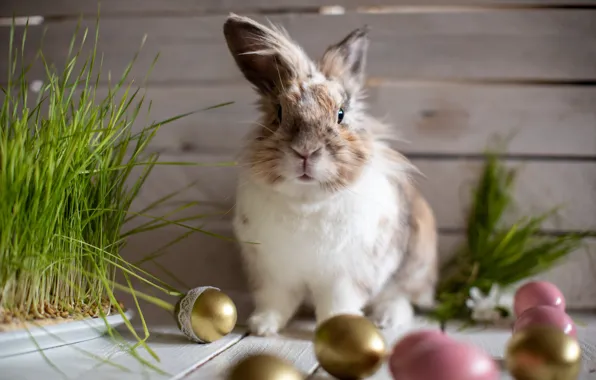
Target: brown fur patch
{"points": [[352, 152], [414, 234], [418, 274], [264, 159]]}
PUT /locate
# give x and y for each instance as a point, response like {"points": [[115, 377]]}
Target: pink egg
{"points": [[449, 361], [537, 293], [412, 343], [546, 315]]}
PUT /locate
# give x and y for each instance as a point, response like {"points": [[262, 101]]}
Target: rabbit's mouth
{"points": [[305, 178]]}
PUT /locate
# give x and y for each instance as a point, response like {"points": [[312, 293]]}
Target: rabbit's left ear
{"points": [[347, 59], [267, 57]]}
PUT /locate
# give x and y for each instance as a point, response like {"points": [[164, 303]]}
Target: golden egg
{"points": [[213, 315], [543, 353], [206, 314], [349, 347], [264, 367]]}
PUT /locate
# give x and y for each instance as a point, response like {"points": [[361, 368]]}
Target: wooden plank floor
{"points": [[180, 359]]}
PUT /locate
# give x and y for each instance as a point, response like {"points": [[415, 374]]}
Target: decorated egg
{"points": [[546, 316], [543, 353], [537, 293], [411, 344], [205, 314], [264, 367], [449, 361], [349, 347]]}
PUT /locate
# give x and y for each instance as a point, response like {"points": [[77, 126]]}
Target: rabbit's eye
{"points": [[340, 115], [279, 113]]}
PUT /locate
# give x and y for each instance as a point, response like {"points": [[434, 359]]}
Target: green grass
{"points": [[70, 168], [496, 252]]}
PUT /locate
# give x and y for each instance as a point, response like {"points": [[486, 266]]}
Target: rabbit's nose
{"points": [[305, 154]]}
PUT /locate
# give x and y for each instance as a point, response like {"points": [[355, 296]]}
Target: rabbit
{"points": [[327, 213]]}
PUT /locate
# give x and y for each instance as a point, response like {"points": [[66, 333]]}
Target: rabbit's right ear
{"points": [[266, 56], [346, 60]]}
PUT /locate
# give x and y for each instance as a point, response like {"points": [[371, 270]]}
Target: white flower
{"points": [[487, 308]]}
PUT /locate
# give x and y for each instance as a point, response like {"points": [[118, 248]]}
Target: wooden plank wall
{"points": [[449, 75]]}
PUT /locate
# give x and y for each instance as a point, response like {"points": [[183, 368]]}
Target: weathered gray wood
{"points": [[293, 344], [178, 356], [547, 45], [540, 186], [429, 118], [117, 7]]}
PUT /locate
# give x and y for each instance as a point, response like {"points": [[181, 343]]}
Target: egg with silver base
{"points": [[205, 314]]}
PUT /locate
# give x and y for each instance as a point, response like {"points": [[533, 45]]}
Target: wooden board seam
{"points": [[372, 82], [414, 155], [544, 232], [184, 374], [381, 81], [462, 7], [414, 8]]}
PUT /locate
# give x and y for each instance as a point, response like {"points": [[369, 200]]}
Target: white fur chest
{"points": [[309, 243]]}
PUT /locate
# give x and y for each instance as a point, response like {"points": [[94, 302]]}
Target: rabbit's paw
{"points": [[392, 314], [265, 323]]}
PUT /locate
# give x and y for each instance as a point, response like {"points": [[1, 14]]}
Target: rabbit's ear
{"points": [[267, 57], [347, 59]]}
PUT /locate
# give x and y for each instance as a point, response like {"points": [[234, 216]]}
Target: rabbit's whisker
{"points": [[281, 82], [264, 126]]}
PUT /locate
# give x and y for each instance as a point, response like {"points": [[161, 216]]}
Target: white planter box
{"points": [[43, 337]]}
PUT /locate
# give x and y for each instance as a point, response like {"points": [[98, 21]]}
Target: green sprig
{"points": [[495, 253]]}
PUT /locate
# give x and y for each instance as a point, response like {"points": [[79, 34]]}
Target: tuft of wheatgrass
{"points": [[70, 167]]}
